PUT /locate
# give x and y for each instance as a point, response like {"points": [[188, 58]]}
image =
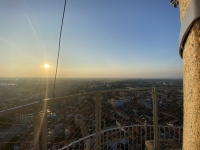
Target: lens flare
{"points": [[46, 66]]}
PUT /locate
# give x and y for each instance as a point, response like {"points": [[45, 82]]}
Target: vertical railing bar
{"points": [[159, 133], [107, 138], [167, 128], [84, 143], [136, 137], [155, 116], [44, 125], [150, 133], [174, 133], [145, 130], [96, 122], [132, 144], [116, 133], [164, 133], [179, 141], [90, 146], [87, 143], [73, 146], [120, 137], [128, 137], [103, 140], [100, 121], [124, 139], [36, 128], [90, 143], [141, 144]]}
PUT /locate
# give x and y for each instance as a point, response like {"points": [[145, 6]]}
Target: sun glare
{"points": [[46, 66]]}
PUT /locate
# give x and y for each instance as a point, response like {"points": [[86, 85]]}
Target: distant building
{"points": [[81, 123], [78, 118], [16, 148], [24, 118], [118, 103], [146, 103], [51, 135], [67, 132]]}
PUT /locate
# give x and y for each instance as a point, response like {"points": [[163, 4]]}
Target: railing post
{"points": [[36, 128], [87, 147], [155, 117], [145, 130], [44, 125], [98, 121]]}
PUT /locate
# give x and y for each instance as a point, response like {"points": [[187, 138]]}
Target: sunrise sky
{"points": [[101, 38]]}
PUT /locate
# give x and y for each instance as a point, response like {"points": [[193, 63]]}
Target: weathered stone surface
{"points": [[183, 7], [191, 84]]}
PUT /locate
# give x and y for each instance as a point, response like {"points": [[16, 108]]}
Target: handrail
{"points": [[105, 91], [106, 130], [124, 90], [93, 93]]}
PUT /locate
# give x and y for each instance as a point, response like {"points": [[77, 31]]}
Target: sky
{"points": [[100, 38]]}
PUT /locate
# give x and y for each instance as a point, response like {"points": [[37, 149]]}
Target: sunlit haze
{"points": [[46, 66], [100, 38]]}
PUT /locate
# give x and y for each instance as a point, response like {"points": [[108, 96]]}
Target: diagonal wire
{"points": [[59, 49]]}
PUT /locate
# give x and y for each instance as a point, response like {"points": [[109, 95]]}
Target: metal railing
{"points": [[19, 127], [126, 138], [95, 120]]}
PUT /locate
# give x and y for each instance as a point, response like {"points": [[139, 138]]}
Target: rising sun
{"points": [[46, 66]]}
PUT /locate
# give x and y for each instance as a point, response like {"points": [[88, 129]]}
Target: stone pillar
{"points": [[191, 84]]}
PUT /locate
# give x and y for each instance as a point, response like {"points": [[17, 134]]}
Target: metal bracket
{"points": [[191, 16], [175, 3]]}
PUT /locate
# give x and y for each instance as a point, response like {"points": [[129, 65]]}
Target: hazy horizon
{"points": [[87, 78]]}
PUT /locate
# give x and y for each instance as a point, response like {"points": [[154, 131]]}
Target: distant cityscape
{"points": [[75, 119]]}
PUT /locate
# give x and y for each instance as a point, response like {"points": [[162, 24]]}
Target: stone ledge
{"points": [[163, 145]]}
